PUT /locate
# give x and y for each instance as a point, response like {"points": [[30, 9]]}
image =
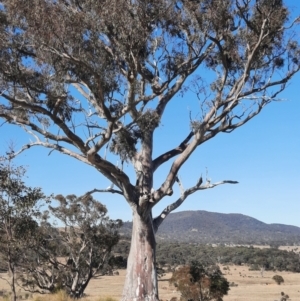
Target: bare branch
{"points": [[53, 147], [5, 279], [179, 82], [160, 218], [166, 187], [73, 139], [103, 190], [21, 121], [180, 185]]}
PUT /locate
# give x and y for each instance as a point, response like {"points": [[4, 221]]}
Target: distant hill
{"points": [[210, 227]]}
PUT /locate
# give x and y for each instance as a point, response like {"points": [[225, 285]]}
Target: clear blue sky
{"points": [[263, 155]]}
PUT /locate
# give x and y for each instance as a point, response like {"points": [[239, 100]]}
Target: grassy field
{"points": [[252, 286], [249, 285]]}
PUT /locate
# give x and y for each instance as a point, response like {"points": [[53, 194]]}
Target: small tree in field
{"points": [[79, 251], [278, 279], [18, 208], [93, 79], [196, 282]]}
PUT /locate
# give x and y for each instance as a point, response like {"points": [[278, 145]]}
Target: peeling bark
{"points": [[141, 280]]}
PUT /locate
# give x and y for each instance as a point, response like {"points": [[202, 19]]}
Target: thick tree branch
{"points": [[51, 146], [166, 187], [172, 153], [26, 122], [74, 139], [113, 173], [109, 170]]}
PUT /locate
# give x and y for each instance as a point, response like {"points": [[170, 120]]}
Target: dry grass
{"points": [[62, 296], [106, 288], [252, 286], [113, 285], [296, 249], [59, 296]]}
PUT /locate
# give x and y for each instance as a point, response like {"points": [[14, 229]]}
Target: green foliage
{"points": [[278, 279], [198, 282], [118, 262]]}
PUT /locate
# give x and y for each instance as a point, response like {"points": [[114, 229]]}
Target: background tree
{"points": [[43, 272], [79, 251], [127, 60], [197, 282], [19, 208]]}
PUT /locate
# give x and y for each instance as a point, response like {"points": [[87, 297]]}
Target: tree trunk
{"points": [[11, 272], [141, 279], [81, 288], [74, 286]]}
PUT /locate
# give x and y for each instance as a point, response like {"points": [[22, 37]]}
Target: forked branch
{"points": [[184, 194], [172, 153]]}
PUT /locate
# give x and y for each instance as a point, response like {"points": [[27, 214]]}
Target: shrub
{"points": [[199, 282], [278, 279], [284, 297]]}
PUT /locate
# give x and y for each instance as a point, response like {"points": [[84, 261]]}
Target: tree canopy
{"points": [[128, 60]]}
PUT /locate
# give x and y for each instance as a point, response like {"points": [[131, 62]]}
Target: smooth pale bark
{"points": [[77, 292], [141, 280], [74, 284]]}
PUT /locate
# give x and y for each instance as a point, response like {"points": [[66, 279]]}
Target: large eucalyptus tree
{"points": [[86, 77]]}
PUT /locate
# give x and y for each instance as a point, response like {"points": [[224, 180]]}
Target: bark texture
{"points": [[141, 280]]}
